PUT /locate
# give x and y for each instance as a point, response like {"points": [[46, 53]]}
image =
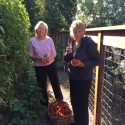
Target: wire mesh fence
{"points": [[113, 92]]}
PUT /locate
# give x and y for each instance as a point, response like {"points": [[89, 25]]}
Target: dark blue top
{"points": [[87, 53]]}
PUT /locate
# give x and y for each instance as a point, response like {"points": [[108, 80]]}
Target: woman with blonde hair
{"points": [[42, 51], [82, 56]]}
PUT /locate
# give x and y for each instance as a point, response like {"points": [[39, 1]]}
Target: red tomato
{"points": [[47, 60], [59, 110], [74, 61]]}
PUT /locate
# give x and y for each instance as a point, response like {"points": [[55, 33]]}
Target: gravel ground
{"points": [[64, 83]]}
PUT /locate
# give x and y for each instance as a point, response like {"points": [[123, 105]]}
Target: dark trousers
{"points": [[79, 93], [41, 74]]}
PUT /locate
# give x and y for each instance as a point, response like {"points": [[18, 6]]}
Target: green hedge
{"points": [[14, 36]]}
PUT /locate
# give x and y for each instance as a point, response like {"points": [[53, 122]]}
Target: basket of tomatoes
{"points": [[59, 113]]}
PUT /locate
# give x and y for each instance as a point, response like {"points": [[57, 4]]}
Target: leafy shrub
{"points": [[15, 23], [59, 51], [27, 109]]}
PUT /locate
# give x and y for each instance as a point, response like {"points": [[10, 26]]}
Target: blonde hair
{"points": [[38, 24], [76, 24]]}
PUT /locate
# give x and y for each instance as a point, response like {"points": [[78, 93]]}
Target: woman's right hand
{"points": [[45, 60], [68, 49]]}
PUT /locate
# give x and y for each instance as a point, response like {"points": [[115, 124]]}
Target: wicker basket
{"points": [[61, 120]]}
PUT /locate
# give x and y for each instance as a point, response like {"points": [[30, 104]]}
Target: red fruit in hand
{"points": [[46, 60], [74, 61]]}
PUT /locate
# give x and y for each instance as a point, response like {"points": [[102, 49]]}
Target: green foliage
{"points": [[59, 51], [98, 13], [91, 12], [60, 14], [18, 89], [116, 12], [57, 14], [14, 21], [34, 10], [27, 109]]}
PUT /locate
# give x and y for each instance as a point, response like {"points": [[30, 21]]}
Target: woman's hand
{"points": [[45, 60], [68, 49], [77, 63]]}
